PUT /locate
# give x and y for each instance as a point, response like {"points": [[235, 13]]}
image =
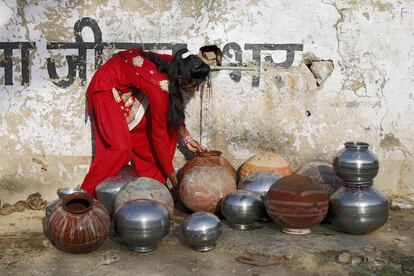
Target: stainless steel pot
{"points": [[259, 182], [242, 208], [201, 230], [358, 210], [356, 163], [141, 224], [62, 192], [144, 188], [107, 189]]}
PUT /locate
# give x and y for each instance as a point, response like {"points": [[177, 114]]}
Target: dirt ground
{"points": [[24, 250]]}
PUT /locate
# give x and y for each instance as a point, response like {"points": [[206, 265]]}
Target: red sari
{"points": [[151, 142]]}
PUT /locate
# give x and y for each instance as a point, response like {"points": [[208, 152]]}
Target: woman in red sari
{"points": [[138, 113]]}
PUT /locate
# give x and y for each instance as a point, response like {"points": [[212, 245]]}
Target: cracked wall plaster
{"points": [[304, 113]]}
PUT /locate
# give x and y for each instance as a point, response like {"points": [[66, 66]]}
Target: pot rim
{"points": [[63, 192], [360, 184], [77, 196], [356, 144]]}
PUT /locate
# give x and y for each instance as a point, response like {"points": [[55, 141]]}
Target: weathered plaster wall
{"points": [[46, 141]]}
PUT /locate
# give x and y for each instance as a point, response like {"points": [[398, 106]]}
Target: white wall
{"points": [[46, 142]]}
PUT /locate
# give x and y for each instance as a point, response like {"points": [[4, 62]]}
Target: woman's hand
{"points": [[172, 184], [188, 140], [172, 181], [195, 147]]}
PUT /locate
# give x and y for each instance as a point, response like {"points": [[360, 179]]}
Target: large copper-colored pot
{"points": [[203, 187], [79, 225], [267, 161], [210, 158], [296, 203]]}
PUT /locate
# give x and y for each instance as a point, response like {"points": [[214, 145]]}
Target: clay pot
{"points": [[202, 187], [296, 203], [210, 158], [79, 225], [324, 174], [52, 206], [144, 188], [267, 161]]}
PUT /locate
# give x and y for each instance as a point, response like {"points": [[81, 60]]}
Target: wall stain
{"points": [[149, 7], [41, 163], [391, 143]]}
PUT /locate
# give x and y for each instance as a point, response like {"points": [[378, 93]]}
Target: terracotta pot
{"points": [[52, 206], [144, 188], [203, 187], [296, 203], [324, 174], [79, 225], [210, 158], [267, 161]]}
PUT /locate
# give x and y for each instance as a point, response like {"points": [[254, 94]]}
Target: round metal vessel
{"points": [[62, 192], [107, 189], [144, 188], [259, 182], [141, 224], [356, 162], [201, 230], [242, 208], [358, 211]]}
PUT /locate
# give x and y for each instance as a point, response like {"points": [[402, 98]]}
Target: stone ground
{"points": [[24, 250]]}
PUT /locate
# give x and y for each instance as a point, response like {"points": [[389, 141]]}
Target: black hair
{"points": [[188, 69]]}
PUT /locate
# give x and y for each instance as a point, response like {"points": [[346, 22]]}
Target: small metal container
{"points": [[242, 208], [201, 230], [356, 163], [62, 192], [141, 224]]}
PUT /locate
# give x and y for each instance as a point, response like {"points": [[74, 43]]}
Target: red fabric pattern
{"points": [[152, 143]]}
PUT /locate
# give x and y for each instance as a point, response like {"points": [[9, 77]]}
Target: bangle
{"points": [[187, 139]]}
